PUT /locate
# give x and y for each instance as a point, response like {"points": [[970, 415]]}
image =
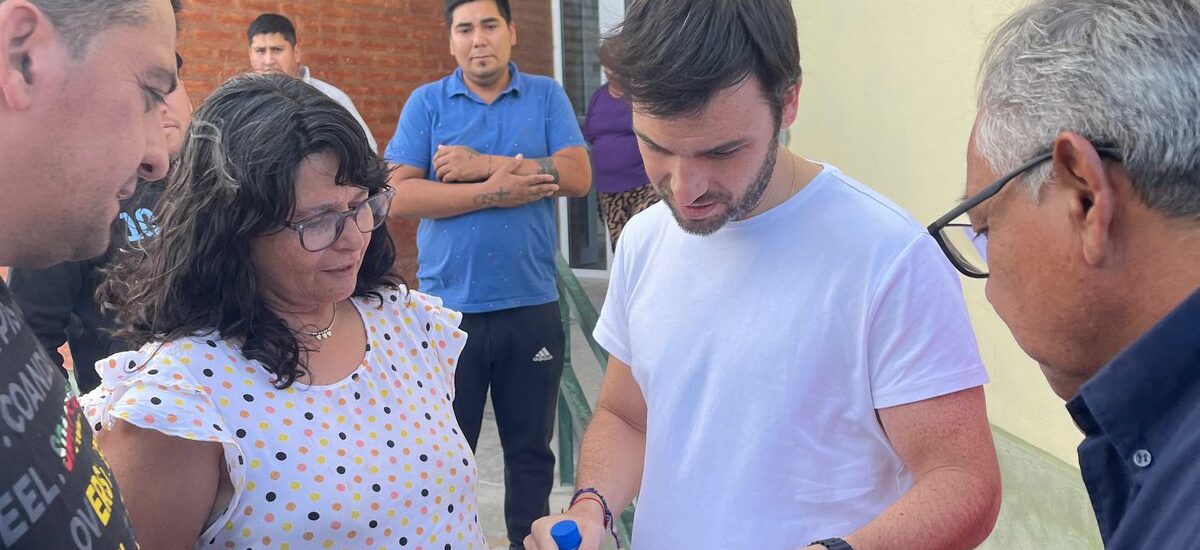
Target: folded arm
{"points": [[571, 167]]}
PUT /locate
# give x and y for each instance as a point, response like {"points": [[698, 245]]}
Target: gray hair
{"points": [[80, 21], [1121, 73]]}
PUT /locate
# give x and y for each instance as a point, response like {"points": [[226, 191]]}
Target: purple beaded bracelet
{"points": [[609, 522]]}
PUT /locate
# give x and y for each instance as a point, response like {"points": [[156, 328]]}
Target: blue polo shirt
{"points": [[1140, 416], [496, 258]]}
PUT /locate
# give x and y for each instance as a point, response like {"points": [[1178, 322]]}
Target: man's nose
{"points": [[155, 160], [687, 182]]}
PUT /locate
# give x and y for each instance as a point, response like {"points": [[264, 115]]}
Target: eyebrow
{"points": [[329, 206], [732, 144], [167, 78], [468, 24]]}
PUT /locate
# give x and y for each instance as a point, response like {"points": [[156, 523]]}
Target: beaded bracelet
{"points": [[590, 493]]}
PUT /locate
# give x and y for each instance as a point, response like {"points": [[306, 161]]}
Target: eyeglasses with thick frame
{"points": [[939, 227], [378, 205]]}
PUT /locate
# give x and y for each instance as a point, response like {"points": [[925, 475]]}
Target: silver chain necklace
{"points": [[325, 333]]}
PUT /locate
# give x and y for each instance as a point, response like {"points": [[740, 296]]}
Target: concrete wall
{"points": [[889, 97]]}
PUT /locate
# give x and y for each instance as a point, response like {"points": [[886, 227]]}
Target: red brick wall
{"points": [[377, 51]]}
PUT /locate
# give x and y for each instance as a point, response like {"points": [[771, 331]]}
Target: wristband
{"points": [[590, 493]]}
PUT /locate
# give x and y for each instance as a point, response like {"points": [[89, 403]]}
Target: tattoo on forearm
{"points": [[546, 166], [489, 199]]}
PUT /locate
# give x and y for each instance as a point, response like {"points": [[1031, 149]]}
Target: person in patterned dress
{"points": [[287, 391]]}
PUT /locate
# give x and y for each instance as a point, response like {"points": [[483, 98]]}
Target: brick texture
{"points": [[377, 51]]}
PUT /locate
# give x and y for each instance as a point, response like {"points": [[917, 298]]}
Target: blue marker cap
{"points": [[566, 535]]}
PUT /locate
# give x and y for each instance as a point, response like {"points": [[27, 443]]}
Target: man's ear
{"points": [[24, 31], [1092, 195], [790, 106], [512, 29], [299, 58]]}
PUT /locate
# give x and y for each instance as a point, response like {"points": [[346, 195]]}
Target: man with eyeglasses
{"points": [[1092, 254]]}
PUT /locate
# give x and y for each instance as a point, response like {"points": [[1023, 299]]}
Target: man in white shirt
{"points": [[791, 362], [273, 48]]}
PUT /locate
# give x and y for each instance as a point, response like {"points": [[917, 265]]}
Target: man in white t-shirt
{"points": [[273, 49], [791, 360]]}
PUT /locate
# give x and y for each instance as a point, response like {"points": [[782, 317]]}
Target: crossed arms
{"points": [[487, 181]]}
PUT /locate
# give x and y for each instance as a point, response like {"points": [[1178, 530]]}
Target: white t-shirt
{"points": [[763, 352], [339, 96], [375, 460]]}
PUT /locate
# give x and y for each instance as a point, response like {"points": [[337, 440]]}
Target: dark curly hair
{"points": [[236, 181]]}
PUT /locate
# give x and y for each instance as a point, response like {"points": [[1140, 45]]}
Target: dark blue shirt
{"points": [[1140, 457], [495, 258]]}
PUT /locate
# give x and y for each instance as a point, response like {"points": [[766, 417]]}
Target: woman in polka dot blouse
{"points": [[287, 393]]}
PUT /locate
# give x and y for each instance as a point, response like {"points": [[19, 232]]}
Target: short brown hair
{"points": [[672, 56]]}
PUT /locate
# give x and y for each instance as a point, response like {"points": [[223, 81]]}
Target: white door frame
{"points": [[611, 13]]}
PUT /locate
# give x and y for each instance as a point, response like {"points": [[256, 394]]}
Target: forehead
{"points": [[979, 170], [472, 12], [269, 40], [315, 176], [737, 112], [147, 49]]}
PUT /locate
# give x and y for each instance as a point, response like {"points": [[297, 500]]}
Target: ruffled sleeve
{"points": [[153, 388], [440, 330]]}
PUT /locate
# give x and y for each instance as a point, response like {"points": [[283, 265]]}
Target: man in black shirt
{"points": [[59, 301], [82, 88], [1083, 178]]}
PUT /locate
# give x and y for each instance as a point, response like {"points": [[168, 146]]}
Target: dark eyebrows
{"points": [[329, 206], [168, 79], [467, 24], [723, 148], [726, 147], [650, 143]]}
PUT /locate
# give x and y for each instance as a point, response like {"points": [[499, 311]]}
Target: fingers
{"points": [[539, 536], [544, 190], [510, 166]]}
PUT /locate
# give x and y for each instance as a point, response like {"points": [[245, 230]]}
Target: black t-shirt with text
{"points": [[56, 492]]}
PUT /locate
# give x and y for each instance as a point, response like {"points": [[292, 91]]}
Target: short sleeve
{"points": [[612, 329], [562, 128], [920, 343], [440, 326], [153, 388], [411, 145]]}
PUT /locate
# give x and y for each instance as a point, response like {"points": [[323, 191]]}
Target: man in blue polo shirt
{"points": [[1083, 173], [479, 156]]}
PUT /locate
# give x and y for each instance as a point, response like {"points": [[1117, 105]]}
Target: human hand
{"points": [[506, 189], [586, 514], [459, 163]]}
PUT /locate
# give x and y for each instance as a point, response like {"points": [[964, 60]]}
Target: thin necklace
{"points": [[325, 333]]}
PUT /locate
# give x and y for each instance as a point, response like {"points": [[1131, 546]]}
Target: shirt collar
{"points": [[458, 86], [1134, 394], [304, 74]]}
